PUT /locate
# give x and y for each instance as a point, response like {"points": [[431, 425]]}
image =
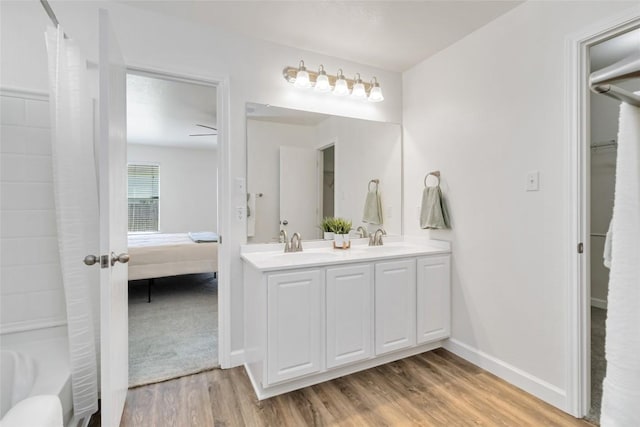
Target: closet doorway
{"points": [[172, 175], [592, 121]]}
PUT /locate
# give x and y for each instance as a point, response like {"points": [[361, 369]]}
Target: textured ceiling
{"points": [[392, 35], [165, 112]]}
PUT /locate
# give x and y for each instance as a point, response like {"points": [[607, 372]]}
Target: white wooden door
{"points": [[114, 352], [433, 298], [299, 191], [293, 324], [349, 314], [395, 314]]}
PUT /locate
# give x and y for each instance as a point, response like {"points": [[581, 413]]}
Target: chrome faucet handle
{"points": [[377, 239], [285, 238], [363, 231], [297, 246]]}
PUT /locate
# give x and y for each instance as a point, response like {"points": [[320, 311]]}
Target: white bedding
{"points": [[162, 255]]}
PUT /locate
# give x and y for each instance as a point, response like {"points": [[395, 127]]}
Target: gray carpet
{"points": [[598, 362], [177, 333]]}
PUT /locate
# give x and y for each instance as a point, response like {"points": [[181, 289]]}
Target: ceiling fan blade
{"points": [[208, 127], [204, 134]]}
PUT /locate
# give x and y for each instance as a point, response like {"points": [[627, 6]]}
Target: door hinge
{"points": [[219, 239], [580, 247], [104, 261]]}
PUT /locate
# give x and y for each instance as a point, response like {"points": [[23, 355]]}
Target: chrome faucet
{"points": [[284, 238], [296, 243], [363, 232], [375, 239]]}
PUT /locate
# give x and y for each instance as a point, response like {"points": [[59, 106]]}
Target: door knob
{"points": [[91, 259], [123, 258]]}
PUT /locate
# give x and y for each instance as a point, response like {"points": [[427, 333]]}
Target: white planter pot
{"points": [[328, 235], [341, 240]]}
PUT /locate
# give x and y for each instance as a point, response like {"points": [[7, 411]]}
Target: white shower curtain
{"points": [[621, 386], [76, 201]]}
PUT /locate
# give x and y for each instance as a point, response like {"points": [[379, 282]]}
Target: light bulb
{"points": [[341, 88], [359, 91], [375, 94], [322, 81], [302, 77]]}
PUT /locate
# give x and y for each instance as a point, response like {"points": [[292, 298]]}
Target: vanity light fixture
{"points": [[302, 77], [322, 81], [339, 85], [358, 92], [375, 93]]}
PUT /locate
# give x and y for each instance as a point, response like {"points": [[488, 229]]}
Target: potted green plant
{"points": [[341, 228], [327, 225]]}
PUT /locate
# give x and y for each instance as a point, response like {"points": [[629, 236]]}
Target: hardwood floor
{"points": [[430, 389]]}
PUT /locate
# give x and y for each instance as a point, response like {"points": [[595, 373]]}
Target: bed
{"points": [[162, 255]]}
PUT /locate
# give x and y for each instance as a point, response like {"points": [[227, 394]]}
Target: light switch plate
{"points": [[533, 181]]}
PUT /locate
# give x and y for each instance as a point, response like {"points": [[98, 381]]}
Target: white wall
{"points": [[188, 186], [160, 42], [485, 111], [32, 295], [263, 170]]}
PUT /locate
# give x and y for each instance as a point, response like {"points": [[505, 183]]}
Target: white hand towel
{"points": [[251, 214], [433, 211], [621, 387], [372, 208]]}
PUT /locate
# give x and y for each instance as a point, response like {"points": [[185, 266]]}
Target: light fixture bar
{"points": [[289, 74]]}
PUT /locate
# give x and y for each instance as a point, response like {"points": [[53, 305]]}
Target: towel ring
{"points": [[434, 173], [375, 181]]}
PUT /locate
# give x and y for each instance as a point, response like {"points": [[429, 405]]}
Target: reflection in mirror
{"points": [[304, 166]]}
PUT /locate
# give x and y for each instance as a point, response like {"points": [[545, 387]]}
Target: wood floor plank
{"points": [[431, 389]]}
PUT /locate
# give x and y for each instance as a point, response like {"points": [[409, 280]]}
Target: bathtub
{"points": [[35, 363]]}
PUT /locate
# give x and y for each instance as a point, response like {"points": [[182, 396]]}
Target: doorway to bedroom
{"points": [[172, 194]]}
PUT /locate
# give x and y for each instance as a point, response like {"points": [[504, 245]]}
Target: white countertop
{"points": [[322, 253]]}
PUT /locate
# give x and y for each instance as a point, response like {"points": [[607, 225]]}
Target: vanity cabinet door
{"points": [[349, 314], [433, 298], [395, 315], [293, 324]]}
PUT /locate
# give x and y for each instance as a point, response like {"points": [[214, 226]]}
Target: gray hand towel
{"points": [[433, 214], [372, 208]]}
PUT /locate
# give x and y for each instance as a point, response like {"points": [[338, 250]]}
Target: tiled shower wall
{"points": [[31, 292]]}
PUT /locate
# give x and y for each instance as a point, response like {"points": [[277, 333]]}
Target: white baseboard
{"points": [[599, 303], [548, 392], [236, 358]]}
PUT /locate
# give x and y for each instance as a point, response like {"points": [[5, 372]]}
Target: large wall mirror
{"points": [[304, 166]]}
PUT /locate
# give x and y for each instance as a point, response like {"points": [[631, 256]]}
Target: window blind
{"points": [[144, 196]]}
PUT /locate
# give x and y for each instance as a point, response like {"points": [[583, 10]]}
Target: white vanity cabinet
{"points": [[293, 324], [395, 307], [311, 317], [433, 297], [349, 314]]}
